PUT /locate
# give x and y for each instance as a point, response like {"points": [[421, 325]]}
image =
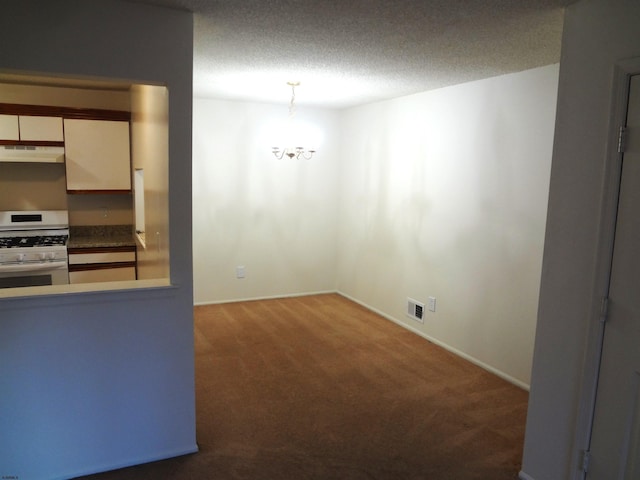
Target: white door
{"points": [[615, 443]]}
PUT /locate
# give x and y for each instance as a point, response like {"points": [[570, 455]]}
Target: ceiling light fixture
{"points": [[289, 151]]}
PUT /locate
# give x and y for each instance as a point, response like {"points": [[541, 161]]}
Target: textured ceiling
{"points": [[349, 52]]}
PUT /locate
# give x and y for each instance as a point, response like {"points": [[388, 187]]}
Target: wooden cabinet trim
{"points": [[64, 112], [101, 192], [79, 250], [100, 266], [33, 143]]}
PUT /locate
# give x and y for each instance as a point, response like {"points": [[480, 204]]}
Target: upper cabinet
{"points": [[97, 153], [97, 156], [27, 128], [9, 127], [44, 129]]}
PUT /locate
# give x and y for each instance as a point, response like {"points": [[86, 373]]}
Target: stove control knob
{"points": [[20, 257], [51, 255], [42, 256]]}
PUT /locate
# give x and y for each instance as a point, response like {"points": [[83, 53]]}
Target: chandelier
{"points": [[290, 151]]}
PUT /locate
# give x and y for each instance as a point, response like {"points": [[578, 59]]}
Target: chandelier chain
{"points": [[292, 105]]}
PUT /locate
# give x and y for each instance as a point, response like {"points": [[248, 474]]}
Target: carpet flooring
{"points": [[318, 387]]}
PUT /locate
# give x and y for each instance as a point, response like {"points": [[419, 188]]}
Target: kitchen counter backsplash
{"points": [[91, 236]]}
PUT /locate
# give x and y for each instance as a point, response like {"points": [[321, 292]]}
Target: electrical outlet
{"points": [[432, 304], [240, 271]]}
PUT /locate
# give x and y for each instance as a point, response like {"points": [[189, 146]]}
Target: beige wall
{"points": [[32, 186], [91, 209], [104, 98], [150, 151]]}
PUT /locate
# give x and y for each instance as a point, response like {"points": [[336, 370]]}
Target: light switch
{"points": [[240, 271], [432, 304]]}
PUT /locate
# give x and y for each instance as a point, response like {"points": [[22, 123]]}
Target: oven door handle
{"points": [[32, 267]]}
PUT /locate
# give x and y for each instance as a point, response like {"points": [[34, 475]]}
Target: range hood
{"points": [[31, 154]]}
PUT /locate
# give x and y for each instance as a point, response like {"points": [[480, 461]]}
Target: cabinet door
{"points": [[103, 275], [101, 257], [46, 129], [9, 127], [97, 155]]}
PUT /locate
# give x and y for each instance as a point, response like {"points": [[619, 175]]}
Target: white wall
{"points": [[277, 218], [597, 35], [98, 380], [444, 194], [439, 194]]}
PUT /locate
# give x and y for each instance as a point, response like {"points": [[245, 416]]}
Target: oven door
{"points": [[34, 274]]}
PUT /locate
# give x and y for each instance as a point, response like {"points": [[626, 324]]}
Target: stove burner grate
{"points": [[35, 241]]}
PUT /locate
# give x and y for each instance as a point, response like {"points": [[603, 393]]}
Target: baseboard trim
{"points": [[524, 476], [132, 462], [268, 297], [451, 349]]}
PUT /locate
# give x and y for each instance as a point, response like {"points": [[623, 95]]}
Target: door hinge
{"points": [[586, 456], [622, 139], [604, 309]]}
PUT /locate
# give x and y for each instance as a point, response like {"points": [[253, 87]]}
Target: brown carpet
{"points": [[318, 387]]}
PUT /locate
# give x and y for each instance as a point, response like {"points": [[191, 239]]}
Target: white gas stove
{"points": [[33, 248]]}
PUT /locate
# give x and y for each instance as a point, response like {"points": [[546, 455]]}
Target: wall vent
{"points": [[415, 310]]}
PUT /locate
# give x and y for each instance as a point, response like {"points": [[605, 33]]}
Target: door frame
{"points": [[610, 189]]}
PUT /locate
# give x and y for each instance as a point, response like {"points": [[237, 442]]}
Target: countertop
{"points": [[100, 236]]}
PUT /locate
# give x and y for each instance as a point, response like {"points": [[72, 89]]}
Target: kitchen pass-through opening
{"points": [[118, 220]]}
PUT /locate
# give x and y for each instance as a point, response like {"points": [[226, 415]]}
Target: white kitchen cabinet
{"points": [[97, 156], [104, 256], [9, 129], [104, 264], [113, 274], [31, 128], [44, 129]]}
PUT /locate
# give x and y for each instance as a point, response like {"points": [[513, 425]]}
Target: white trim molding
{"points": [[451, 349], [268, 297], [524, 476]]}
